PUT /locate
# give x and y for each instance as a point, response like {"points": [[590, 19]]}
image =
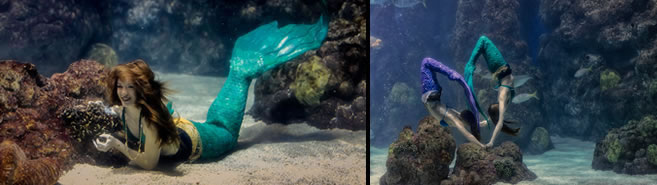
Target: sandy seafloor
{"points": [[568, 163], [266, 154]]}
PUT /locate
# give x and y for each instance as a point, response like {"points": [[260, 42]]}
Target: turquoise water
{"points": [[568, 163]]}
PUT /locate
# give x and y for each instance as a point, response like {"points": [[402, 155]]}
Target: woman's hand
{"points": [[105, 142], [489, 145]]}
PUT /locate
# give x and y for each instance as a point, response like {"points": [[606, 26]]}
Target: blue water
{"points": [[568, 163]]}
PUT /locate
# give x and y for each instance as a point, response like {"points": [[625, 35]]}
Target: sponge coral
{"points": [[311, 81]]}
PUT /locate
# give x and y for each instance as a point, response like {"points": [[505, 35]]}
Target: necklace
{"points": [[125, 128]]}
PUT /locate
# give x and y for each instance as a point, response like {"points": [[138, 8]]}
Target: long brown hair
{"points": [[467, 116], [493, 111], [150, 95]]}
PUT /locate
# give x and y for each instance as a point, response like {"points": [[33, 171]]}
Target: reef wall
{"points": [[49, 34], [33, 126], [325, 88], [600, 61], [192, 37]]}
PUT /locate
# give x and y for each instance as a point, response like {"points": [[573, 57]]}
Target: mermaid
{"points": [[501, 72], [431, 92], [151, 135]]}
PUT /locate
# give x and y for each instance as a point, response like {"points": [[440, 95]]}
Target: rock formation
{"points": [[325, 87], [631, 149]]}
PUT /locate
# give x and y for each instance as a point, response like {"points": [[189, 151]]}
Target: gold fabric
{"points": [[191, 130]]}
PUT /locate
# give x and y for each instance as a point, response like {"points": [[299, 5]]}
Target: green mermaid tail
{"points": [[493, 58], [254, 53]]}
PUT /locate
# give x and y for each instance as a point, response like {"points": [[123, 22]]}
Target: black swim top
{"points": [[131, 138], [184, 150]]}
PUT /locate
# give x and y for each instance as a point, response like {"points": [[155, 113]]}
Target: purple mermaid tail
{"points": [[429, 83]]}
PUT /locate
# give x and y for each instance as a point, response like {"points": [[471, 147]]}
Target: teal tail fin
{"points": [[254, 53], [170, 107], [269, 46], [494, 60]]}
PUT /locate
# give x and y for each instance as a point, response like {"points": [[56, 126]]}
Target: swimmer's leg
{"points": [[429, 83], [254, 53], [453, 117]]}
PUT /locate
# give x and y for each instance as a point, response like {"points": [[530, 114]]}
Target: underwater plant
{"points": [[609, 79], [312, 79]]}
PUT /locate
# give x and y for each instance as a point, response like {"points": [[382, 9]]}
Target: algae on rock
{"points": [[312, 79], [609, 79]]}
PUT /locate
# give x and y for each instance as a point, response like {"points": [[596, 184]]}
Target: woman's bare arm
{"points": [[148, 158], [503, 98], [453, 119]]}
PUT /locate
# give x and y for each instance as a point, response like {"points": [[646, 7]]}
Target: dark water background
{"points": [[408, 35], [191, 37]]}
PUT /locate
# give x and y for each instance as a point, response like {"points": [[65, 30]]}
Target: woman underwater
{"points": [[431, 92], [501, 72], [160, 138]]}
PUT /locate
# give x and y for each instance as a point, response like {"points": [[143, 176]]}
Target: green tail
{"points": [[254, 53], [494, 60]]}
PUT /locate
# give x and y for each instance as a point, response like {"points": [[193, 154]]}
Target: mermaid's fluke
{"points": [[494, 60], [429, 83], [170, 107], [268, 46], [254, 53]]}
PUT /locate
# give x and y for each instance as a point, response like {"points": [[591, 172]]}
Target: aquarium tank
{"points": [[248, 92], [581, 110]]}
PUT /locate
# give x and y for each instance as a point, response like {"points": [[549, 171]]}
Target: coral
{"points": [[82, 78], [32, 123], [346, 115], [310, 83], [87, 121], [609, 79], [504, 168], [103, 54], [540, 141], [652, 89], [541, 137], [648, 126], [629, 149], [652, 154], [422, 157], [476, 165], [343, 53], [17, 168], [614, 150], [611, 26], [401, 94]]}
